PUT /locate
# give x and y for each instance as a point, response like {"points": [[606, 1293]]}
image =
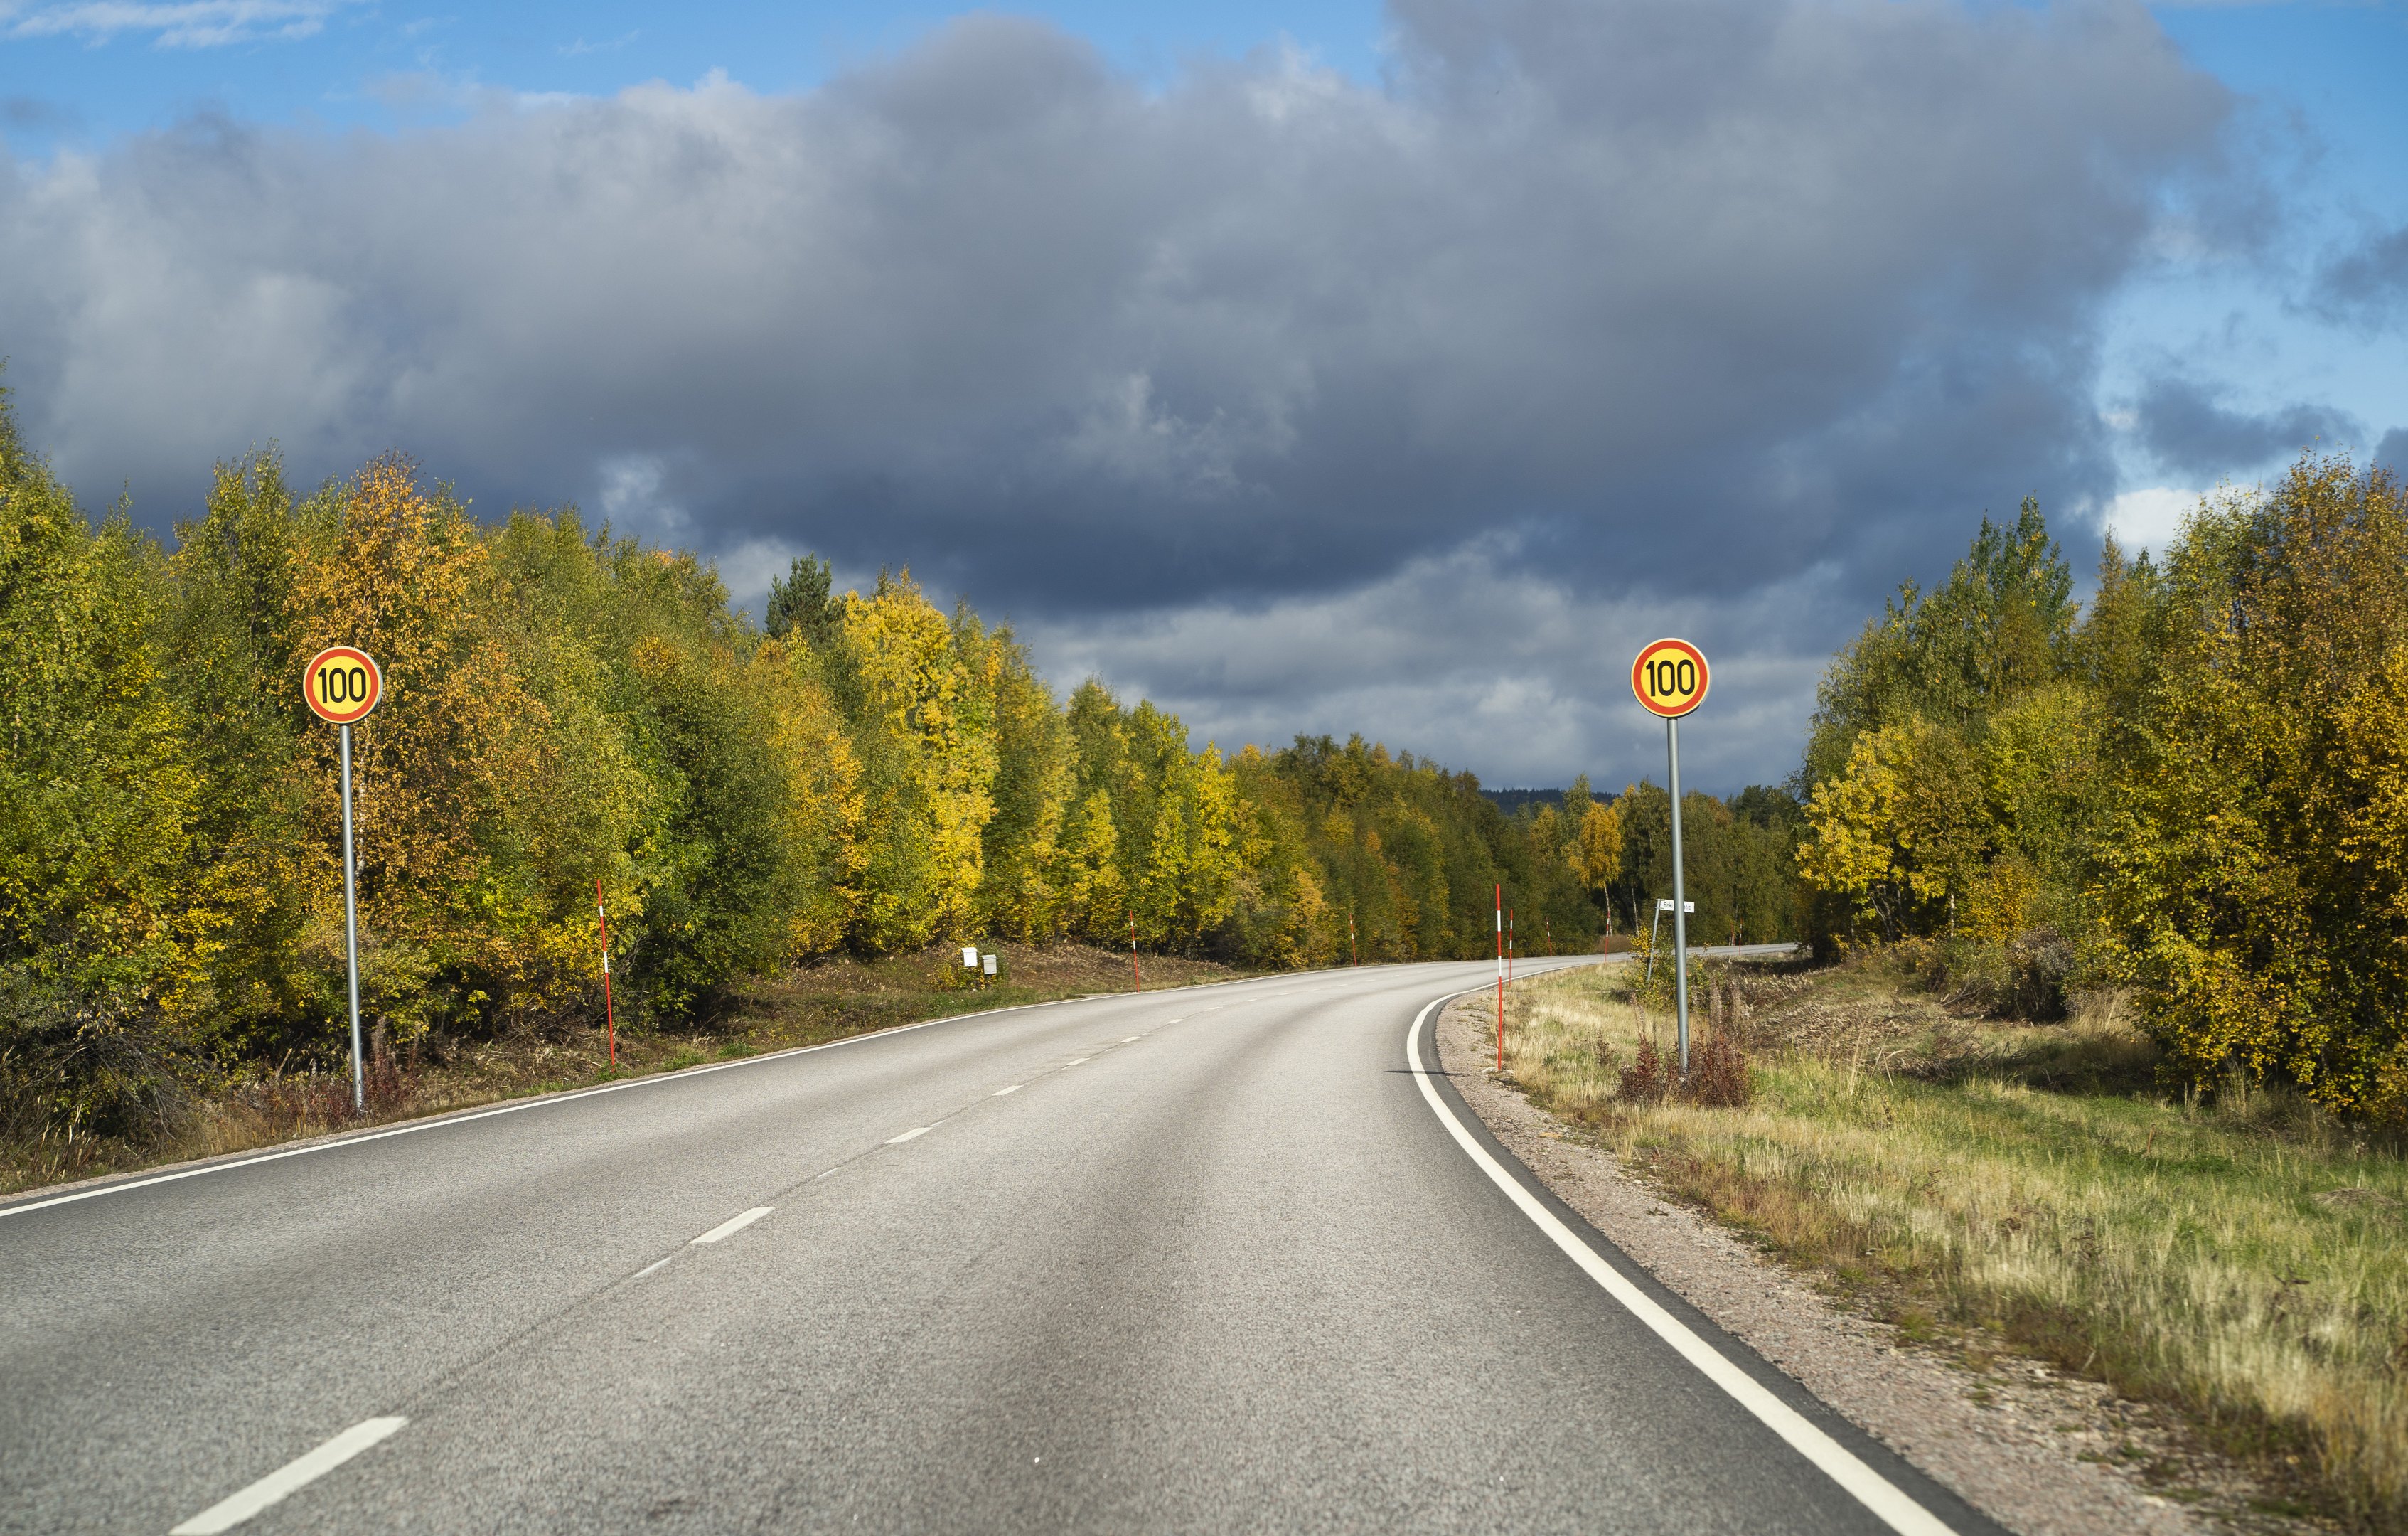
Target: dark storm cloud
{"points": [[2392, 452], [1651, 299], [2183, 423], [2370, 283]]}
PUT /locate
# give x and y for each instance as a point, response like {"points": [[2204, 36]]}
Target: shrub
{"points": [[2039, 964], [1718, 1074], [1645, 1081]]}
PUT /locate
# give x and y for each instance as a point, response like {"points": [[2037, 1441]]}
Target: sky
{"points": [[1305, 367]]}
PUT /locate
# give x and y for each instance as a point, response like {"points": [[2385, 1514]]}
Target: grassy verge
{"points": [[2244, 1258], [802, 1006]]}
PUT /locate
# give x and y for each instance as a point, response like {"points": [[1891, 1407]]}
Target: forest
{"points": [[573, 716], [2193, 789]]}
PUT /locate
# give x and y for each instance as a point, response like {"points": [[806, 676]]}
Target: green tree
{"points": [[97, 792]]}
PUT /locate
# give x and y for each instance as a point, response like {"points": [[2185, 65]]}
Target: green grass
{"points": [[2245, 1259]]}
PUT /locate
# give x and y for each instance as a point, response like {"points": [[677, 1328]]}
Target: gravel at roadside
{"points": [[2042, 1454]]}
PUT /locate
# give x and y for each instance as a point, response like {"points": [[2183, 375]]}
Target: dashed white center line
{"points": [[1001, 1091], [734, 1225], [914, 1132], [1074, 1061], [653, 1265], [1132, 1040], [293, 1476]]}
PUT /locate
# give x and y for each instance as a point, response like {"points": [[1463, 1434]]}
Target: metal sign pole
{"points": [[352, 931], [1679, 905]]}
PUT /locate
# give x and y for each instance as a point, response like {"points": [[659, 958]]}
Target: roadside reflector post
{"points": [[1670, 677], [610, 1018], [341, 684], [1500, 977]]}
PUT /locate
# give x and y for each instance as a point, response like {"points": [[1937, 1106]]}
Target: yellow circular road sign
{"points": [[1670, 678], [342, 685]]}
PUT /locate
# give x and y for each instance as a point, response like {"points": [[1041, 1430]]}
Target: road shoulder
{"points": [[2019, 1456]]}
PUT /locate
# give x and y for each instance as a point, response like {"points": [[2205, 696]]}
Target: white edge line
{"points": [[1868, 1487], [914, 1131], [293, 1475], [732, 1226]]}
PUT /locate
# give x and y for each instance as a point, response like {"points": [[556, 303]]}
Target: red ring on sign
{"points": [[1680, 649], [341, 684]]}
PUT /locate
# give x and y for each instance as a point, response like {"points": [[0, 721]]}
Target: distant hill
{"points": [[1511, 801]]}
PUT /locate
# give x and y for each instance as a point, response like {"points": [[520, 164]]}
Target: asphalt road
{"points": [[1207, 1259]]}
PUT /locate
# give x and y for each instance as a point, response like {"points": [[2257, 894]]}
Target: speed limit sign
{"points": [[342, 685], [1670, 678]]}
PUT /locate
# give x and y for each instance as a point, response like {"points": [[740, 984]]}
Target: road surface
{"points": [[1212, 1259]]}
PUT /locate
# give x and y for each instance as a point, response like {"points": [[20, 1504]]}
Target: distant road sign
{"points": [[342, 685], [1670, 678]]}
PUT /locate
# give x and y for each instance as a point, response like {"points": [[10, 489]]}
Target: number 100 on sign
{"points": [[1670, 678], [342, 685]]}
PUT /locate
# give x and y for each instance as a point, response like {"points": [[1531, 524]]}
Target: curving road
{"points": [[1209, 1259]]}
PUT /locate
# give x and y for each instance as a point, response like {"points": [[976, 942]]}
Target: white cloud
{"points": [[634, 492], [2149, 518], [580, 48], [180, 23]]}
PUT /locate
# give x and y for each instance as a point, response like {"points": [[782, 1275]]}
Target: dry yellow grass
{"points": [[2246, 1259]]}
